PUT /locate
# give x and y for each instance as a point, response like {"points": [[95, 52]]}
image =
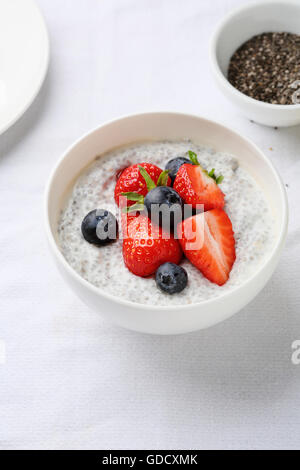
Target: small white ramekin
{"points": [[160, 126], [236, 28]]}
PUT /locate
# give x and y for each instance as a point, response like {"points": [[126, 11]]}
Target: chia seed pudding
{"points": [[103, 267]]}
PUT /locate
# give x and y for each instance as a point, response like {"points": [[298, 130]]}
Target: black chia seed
{"points": [[267, 68]]}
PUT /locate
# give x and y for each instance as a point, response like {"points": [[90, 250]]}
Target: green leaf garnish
{"points": [[211, 174], [134, 197], [193, 157], [218, 179], [149, 181], [135, 208], [163, 178]]}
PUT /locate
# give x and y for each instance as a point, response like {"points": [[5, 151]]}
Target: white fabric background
{"points": [[70, 379]]}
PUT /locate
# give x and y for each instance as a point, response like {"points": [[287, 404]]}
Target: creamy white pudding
{"points": [[246, 206]]}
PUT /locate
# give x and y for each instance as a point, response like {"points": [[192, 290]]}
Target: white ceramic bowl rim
{"points": [[61, 259], [215, 63]]}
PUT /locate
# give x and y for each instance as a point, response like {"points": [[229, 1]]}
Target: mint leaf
{"points": [[135, 208], [163, 178], [149, 182], [193, 157], [134, 197]]}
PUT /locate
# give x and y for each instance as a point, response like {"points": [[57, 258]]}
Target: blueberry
{"points": [[165, 206], [174, 165], [99, 227], [171, 278]]}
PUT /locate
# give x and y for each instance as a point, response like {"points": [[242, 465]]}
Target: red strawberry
{"points": [[148, 246], [126, 219], [213, 252], [196, 186], [132, 181]]}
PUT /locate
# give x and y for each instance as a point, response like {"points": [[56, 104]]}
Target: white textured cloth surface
{"points": [[71, 380]]}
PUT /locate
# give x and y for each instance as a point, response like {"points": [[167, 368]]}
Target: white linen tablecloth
{"points": [[71, 380]]}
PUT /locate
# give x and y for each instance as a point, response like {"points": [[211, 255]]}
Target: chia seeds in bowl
{"points": [[267, 68]]}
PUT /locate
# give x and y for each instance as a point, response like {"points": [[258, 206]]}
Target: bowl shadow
{"points": [[247, 357], [13, 136]]}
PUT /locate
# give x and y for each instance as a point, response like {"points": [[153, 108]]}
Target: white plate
{"points": [[24, 58]]}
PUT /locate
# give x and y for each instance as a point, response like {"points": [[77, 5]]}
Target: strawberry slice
{"points": [[147, 246], [196, 186], [207, 240], [135, 180]]}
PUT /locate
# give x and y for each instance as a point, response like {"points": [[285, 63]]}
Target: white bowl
{"points": [[239, 26], [159, 126], [24, 58]]}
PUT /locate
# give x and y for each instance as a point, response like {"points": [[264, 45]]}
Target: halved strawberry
{"points": [[133, 181], [196, 186], [207, 240], [147, 246]]}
